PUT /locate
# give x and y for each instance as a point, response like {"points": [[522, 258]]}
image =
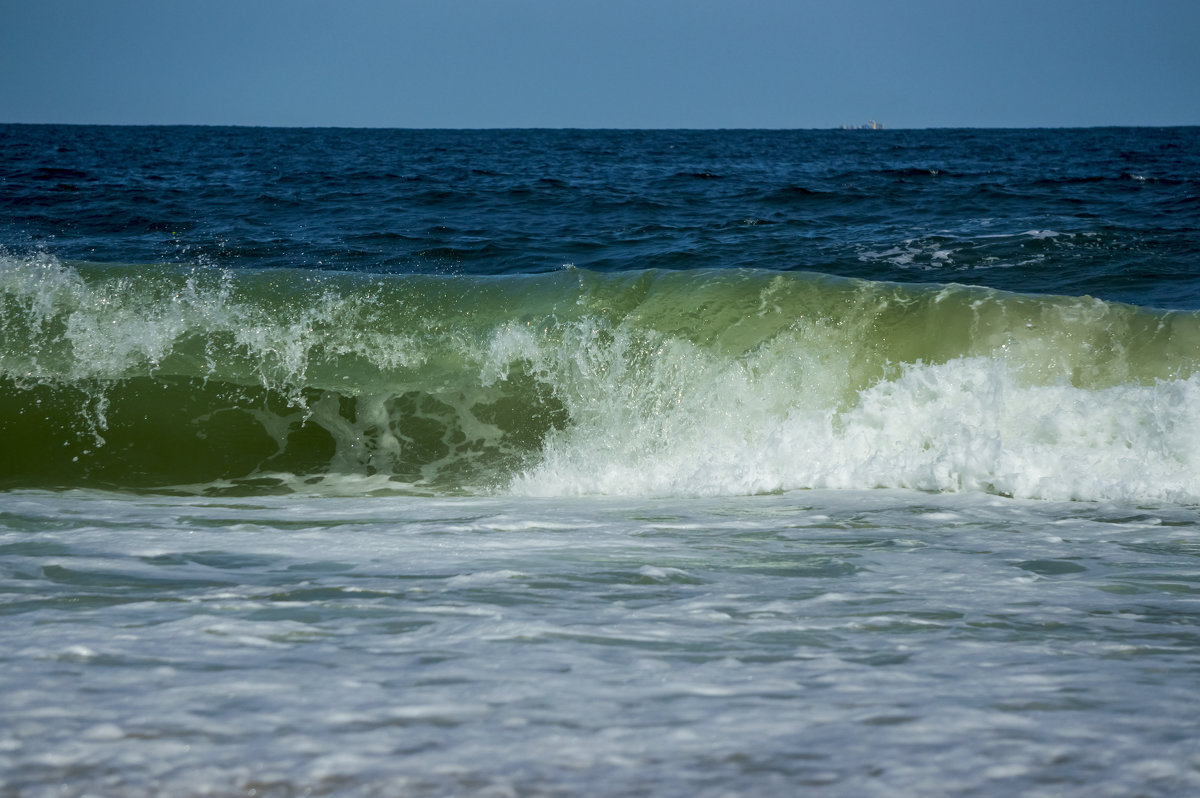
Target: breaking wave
{"points": [[172, 377]]}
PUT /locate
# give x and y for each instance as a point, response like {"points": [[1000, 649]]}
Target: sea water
{"points": [[683, 463]]}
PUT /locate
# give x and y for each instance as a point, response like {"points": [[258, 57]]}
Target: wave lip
{"points": [[673, 383]]}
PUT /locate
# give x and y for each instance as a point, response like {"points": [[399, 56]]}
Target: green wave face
{"points": [[168, 377]]}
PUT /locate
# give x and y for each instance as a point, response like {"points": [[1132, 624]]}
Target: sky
{"points": [[601, 63]]}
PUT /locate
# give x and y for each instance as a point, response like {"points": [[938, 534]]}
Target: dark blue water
{"points": [[1108, 212]]}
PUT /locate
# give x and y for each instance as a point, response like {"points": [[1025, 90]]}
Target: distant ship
{"points": [[872, 125]]}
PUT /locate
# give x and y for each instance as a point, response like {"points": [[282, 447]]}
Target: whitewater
{"points": [[673, 463], [644, 383]]}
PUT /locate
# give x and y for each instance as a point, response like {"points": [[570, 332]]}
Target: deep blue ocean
{"points": [[599, 463]]}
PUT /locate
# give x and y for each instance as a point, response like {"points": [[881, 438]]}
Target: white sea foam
{"points": [[969, 424]]}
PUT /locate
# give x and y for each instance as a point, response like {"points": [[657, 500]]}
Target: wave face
{"points": [[577, 382]]}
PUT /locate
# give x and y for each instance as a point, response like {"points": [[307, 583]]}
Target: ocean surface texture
{"points": [[599, 463]]}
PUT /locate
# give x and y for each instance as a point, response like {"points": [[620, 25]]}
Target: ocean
{"points": [[599, 463]]}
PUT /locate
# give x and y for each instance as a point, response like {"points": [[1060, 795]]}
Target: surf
{"points": [[189, 378]]}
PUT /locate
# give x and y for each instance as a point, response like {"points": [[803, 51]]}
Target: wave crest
{"points": [[576, 382]]}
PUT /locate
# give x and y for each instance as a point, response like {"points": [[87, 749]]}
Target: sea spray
{"points": [[577, 382]]}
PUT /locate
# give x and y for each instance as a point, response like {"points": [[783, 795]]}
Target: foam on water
{"points": [[596, 646]]}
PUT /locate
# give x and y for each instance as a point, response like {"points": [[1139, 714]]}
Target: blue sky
{"points": [[601, 63]]}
